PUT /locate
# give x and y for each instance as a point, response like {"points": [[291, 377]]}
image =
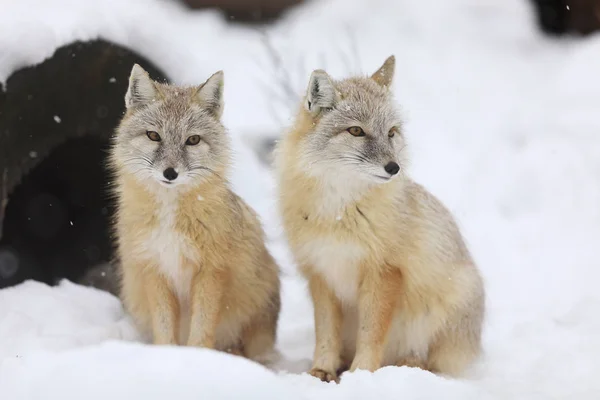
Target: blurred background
{"points": [[62, 96], [499, 100]]}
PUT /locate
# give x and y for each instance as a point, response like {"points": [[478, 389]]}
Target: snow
{"points": [[145, 373], [502, 126]]}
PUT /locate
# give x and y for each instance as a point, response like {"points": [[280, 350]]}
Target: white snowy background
{"points": [[503, 125]]}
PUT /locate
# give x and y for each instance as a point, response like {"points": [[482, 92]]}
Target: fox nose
{"points": [[170, 174], [392, 168]]}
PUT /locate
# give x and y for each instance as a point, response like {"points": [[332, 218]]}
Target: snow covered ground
{"points": [[502, 125]]}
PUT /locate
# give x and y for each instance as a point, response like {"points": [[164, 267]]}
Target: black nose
{"points": [[170, 174], [392, 168]]}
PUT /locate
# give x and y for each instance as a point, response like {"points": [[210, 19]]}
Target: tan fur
{"points": [[195, 269], [391, 279]]}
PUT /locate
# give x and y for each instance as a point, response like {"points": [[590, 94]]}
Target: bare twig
{"points": [[301, 73], [283, 75], [356, 65], [282, 85], [351, 58]]}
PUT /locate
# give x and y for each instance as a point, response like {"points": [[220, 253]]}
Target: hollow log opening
{"points": [[56, 120], [57, 220]]}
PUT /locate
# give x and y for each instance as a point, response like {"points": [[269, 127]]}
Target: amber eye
{"points": [[356, 131], [155, 137], [393, 132], [193, 140]]}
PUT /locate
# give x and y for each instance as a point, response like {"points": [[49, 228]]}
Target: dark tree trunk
{"points": [[246, 10]]}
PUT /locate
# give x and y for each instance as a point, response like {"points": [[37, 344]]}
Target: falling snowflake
{"points": [[33, 154], [112, 80], [57, 119]]}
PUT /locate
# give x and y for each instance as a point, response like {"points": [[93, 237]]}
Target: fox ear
{"points": [[141, 89], [210, 94], [385, 74], [321, 93]]}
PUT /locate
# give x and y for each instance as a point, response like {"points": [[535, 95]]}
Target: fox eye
{"points": [[393, 132], [356, 131], [193, 140], [155, 137]]}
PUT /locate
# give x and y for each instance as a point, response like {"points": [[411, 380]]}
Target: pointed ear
{"points": [[210, 94], [385, 74], [141, 89], [321, 93]]}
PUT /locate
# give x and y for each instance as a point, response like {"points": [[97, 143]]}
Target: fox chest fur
{"points": [[337, 261], [168, 231], [340, 245], [171, 249]]}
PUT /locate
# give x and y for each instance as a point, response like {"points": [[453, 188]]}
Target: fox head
{"points": [[356, 130], [171, 135]]}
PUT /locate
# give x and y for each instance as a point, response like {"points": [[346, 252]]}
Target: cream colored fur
{"points": [[391, 279], [195, 269]]}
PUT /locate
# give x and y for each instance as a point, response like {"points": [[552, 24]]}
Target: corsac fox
{"points": [[391, 279], [195, 269]]}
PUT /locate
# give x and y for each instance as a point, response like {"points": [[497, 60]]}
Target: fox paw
{"points": [[236, 351], [324, 375], [411, 362]]}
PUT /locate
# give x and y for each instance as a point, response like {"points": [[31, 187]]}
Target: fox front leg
{"points": [[164, 309], [377, 298], [207, 294], [327, 358]]}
